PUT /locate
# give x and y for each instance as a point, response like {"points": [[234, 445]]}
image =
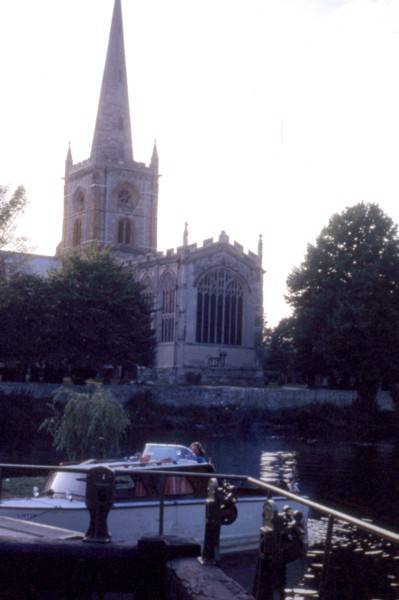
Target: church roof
{"points": [[112, 139]]}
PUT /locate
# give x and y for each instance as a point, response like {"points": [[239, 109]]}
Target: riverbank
{"points": [[307, 414], [270, 397]]}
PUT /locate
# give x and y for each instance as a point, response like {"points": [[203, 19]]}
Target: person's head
{"points": [[197, 448]]}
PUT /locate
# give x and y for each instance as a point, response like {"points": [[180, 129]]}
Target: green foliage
{"points": [[89, 313], [24, 314], [92, 424], [281, 357], [11, 207], [100, 313], [345, 298]]}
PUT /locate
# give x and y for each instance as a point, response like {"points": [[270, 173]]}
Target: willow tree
{"points": [[345, 299], [91, 425]]}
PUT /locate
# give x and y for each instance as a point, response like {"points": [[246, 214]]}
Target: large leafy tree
{"points": [[345, 299], [281, 355], [99, 313], [89, 313], [24, 317], [11, 207]]}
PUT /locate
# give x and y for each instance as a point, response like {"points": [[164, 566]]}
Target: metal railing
{"points": [[267, 487], [333, 515]]}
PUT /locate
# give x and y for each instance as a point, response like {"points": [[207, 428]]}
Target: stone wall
{"points": [[185, 395]]}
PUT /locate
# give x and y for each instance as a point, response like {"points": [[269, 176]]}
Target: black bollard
{"points": [[282, 540], [263, 584], [213, 523], [100, 484], [220, 509], [270, 573], [293, 534]]}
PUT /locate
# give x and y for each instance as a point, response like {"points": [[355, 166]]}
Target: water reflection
{"points": [[280, 469]]}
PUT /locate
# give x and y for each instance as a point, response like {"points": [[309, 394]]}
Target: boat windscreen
{"points": [[162, 452], [65, 484]]}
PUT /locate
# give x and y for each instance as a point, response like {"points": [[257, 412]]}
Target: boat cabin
{"points": [[139, 486]]}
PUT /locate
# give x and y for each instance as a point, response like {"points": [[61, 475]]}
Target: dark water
{"points": [[362, 479]]}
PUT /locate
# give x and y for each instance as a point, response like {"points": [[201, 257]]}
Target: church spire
{"points": [[260, 247], [185, 235], [112, 136], [154, 157], [68, 160]]}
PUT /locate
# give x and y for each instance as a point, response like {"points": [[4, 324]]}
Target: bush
{"points": [[92, 423]]}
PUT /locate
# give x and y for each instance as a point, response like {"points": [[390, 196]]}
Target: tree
{"points": [[92, 424], [99, 313], [345, 298], [11, 207], [88, 314], [281, 356], [24, 317]]}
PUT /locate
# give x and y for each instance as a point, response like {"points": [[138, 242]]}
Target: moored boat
{"points": [[137, 495]]}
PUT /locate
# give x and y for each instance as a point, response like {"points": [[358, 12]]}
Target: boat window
{"points": [[124, 482], [178, 486], [163, 452], [127, 487], [62, 483]]}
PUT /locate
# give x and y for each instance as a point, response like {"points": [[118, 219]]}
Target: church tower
{"points": [[110, 199]]}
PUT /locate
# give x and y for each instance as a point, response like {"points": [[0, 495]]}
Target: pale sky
{"points": [[270, 115]]}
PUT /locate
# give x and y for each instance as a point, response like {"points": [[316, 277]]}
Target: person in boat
{"points": [[198, 449], [144, 459]]}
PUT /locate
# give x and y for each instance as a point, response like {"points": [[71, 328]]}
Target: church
{"points": [[207, 299]]}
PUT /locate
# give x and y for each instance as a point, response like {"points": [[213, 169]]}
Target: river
{"points": [[359, 478]]}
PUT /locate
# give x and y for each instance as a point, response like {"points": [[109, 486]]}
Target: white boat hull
{"points": [[129, 521]]}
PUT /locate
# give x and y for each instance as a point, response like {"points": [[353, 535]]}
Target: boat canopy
{"points": [[168, 452]]}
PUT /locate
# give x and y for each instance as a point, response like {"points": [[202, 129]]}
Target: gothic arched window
{"points": [[77, 233], [79, 201], [168, 306], [220, 302], [125, 232], [147, 292]]}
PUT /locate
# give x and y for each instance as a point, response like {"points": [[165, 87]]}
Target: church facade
{"points": [[207, 300]]}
